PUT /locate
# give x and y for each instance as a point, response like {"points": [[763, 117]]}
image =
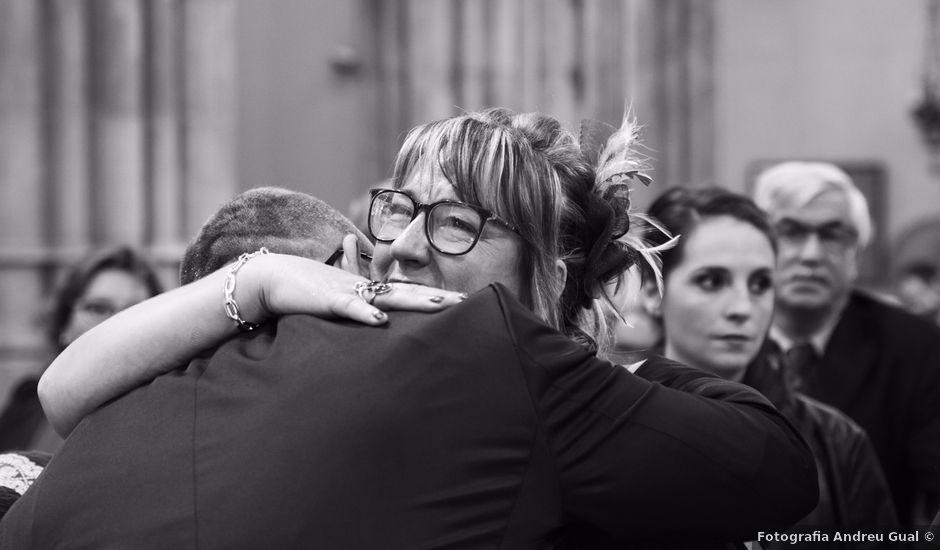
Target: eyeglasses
{"points": [[834, 236], [452, 227]]}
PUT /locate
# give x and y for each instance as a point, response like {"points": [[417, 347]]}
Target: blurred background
{"points": [[130, 121]]}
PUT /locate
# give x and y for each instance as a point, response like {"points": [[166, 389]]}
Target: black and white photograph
{"points": [[469, 274]]}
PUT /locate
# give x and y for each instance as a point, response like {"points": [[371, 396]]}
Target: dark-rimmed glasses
{"points": [[833, 236], [452, 227]]}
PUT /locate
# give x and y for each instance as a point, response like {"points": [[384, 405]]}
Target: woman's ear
{"points": [[651, 301], [561, 271]]}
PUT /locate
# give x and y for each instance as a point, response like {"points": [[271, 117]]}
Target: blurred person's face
{"points": [[918, 296], [641, 330], [818, 260], [410, 258], [108, 292], [718, 301]]}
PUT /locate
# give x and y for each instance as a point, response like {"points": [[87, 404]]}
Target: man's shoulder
{"points": [[486, 313], [885, 331], [492, 314], [889, 318]]}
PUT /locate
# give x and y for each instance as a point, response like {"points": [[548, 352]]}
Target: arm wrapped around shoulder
{"points": [[640, 461]]}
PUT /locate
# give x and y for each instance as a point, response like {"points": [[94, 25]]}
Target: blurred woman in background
{"points": [[94, 289]]}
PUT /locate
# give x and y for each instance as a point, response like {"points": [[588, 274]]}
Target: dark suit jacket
{"points": [[478, 427], [853, 493], [23, 423], [882, 368]]}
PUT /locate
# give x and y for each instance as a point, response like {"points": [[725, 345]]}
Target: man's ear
{"points": [[651, 301]]}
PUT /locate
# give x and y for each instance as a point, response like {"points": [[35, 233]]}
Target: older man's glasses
{"points": [[834, 236], [452, 227]]}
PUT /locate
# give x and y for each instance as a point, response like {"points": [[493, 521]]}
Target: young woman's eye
{"points": [[759, 284], [709, 281]]}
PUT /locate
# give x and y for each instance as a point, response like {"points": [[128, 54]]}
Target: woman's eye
{"points": [[760, 284], [709, 281], [399, 211], [459, 224], [98, 309]]}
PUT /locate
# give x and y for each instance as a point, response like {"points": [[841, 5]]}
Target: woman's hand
{"points": [[271, 285]]}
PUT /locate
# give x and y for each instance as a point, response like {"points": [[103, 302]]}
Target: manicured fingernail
{"points": [[463, 296], [437, 299], [379, 315]]}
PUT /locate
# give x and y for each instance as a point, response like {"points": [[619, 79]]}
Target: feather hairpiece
{"points": [[612, 151], [637, 240]]}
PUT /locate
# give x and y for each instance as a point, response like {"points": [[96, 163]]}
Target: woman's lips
{"points": [[733, 337]]}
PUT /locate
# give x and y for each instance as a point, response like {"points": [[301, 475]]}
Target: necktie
{"points": [[801, 359]]}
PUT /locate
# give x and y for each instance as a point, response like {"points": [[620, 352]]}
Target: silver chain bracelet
{"points": [[231, 306]]}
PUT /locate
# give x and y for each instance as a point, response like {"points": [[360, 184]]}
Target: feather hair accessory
{"points": [[613, 153], [637, 239], [618, 160]]}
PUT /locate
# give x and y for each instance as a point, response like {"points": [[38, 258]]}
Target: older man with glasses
{"points": [[872, 360]]}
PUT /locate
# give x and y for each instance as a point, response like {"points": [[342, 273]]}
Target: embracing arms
{"points": [[706, 459], [165, 332]]}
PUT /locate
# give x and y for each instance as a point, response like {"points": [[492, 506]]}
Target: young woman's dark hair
{"points": [[681, 209], [76, 282]]}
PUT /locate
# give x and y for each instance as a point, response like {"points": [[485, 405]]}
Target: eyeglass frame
{"points": [[485, 215], [829, 242]]}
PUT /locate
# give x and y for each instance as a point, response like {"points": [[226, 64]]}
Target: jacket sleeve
{"points": [[641, 461], [868, 500], [924, 442]]}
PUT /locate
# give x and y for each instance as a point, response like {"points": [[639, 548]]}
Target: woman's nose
{"points": [[739, 305], [412, 245]]}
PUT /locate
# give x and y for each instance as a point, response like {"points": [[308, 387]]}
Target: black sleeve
{"points": [[924, 441], [641, 461], [22, 417], [868, 499], [699, 382]]}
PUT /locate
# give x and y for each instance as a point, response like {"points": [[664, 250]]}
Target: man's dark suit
{"points": [[882, 368], [476, 427]]}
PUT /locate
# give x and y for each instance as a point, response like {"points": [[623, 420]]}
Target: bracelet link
{"points": [[228, 290]]}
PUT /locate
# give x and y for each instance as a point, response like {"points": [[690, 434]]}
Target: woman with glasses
{"points": [[715, 313], [94, 289], [483, 198]]}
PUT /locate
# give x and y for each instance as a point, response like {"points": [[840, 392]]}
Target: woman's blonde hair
{"points": [[530, 171]]}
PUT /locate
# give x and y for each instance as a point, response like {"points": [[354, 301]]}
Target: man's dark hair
{"points": [[283, 221]]}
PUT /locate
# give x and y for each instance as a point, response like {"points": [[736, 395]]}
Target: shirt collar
{"points": [[819, 339]]}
